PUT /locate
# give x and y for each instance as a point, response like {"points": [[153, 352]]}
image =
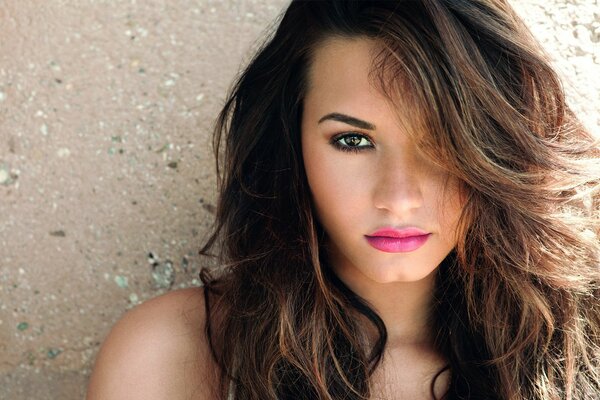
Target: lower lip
{"points": [[397, 245]]}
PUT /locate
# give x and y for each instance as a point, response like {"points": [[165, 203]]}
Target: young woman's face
{"points": [[384, 181]]}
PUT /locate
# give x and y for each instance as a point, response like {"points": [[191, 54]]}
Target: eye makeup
{"points": [[336, 142]]}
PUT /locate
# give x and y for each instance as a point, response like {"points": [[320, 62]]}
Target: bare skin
{"points": [[157, 351], [407, 372]]}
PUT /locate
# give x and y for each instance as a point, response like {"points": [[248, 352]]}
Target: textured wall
{"points": [[106, 169], [106, 172]]}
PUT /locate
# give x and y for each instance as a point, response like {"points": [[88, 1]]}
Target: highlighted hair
{"points": [[517, 310]]}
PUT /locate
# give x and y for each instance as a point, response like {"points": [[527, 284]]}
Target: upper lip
{"points": [[399, 233]]}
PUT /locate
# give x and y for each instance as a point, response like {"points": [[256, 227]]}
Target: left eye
{"points": [[351, 142]]}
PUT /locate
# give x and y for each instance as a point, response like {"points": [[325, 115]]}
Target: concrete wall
{"points": [[106, 172]]}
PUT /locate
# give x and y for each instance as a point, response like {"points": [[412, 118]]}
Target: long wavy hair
{"points": [[517, 306]]}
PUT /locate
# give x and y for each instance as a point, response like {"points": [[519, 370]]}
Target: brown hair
{"points": [[517, 310]]}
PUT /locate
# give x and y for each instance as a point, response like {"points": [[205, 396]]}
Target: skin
{"points": [[157, 351], [388, 183]]}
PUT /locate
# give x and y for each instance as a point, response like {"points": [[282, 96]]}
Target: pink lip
{"points": [[392, 240], [398, 233]]}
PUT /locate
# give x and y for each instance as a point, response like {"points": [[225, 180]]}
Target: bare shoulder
{"points": [[157, 350]]}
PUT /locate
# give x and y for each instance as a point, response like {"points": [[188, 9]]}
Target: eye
{"points": [[351, 141]]}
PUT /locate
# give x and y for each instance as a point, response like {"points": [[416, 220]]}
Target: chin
{"points": [[405, 275]]}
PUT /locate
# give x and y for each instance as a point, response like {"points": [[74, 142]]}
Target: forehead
{"points": [[341, 78], [341, 66]]}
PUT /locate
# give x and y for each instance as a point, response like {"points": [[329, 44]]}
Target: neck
{"points": [[404, 307]]}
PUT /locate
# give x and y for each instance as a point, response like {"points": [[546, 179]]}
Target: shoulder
{"points": [[157, 350]]}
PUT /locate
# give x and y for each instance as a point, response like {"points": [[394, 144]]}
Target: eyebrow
{"points": [[359, 123]]}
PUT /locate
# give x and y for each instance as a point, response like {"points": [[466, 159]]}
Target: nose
{"points": [[397, 186]]}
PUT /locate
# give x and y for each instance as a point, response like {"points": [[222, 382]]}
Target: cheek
{"points": [[326, 183], [334, 187], [314, 179]]}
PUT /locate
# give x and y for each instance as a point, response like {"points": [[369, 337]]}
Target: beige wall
{"points": [[105, 158]]}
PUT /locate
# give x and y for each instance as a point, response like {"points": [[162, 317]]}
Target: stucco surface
{"points": [[106, 172]]}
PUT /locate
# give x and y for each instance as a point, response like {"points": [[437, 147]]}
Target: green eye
{"points": [[351, 142]]}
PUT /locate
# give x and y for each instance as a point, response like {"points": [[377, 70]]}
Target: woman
{"points": [[408, 210]]}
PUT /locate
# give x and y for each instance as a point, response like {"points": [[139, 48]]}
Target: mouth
{"points": [[397, 244]]}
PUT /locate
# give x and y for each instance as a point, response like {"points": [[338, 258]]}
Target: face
{"points": [[365, 173]]}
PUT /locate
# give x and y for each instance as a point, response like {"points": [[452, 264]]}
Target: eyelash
{"points": [[335, 141]]}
